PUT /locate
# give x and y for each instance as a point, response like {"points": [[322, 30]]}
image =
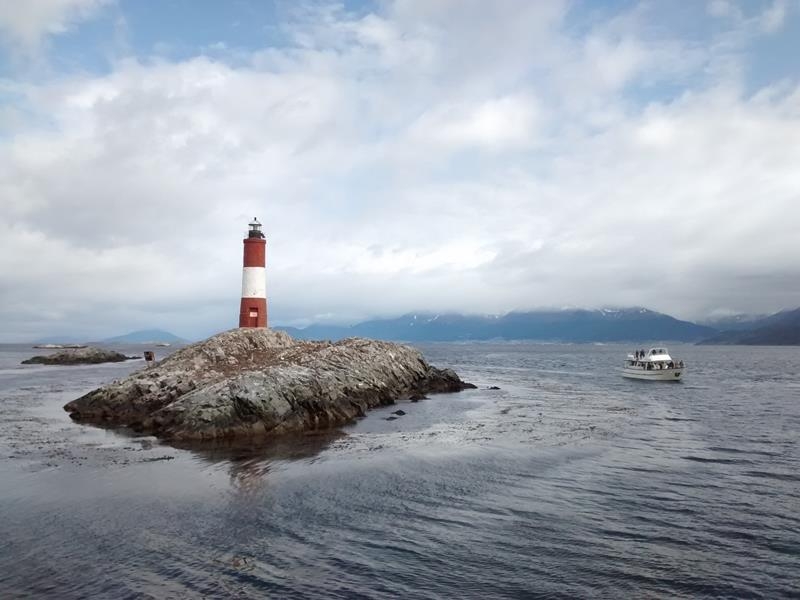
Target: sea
{"points": [[566, 482]]}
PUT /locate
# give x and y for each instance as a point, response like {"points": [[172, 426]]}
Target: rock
{"points": [[255, 382], [493, 387], [59, 346], [416, 397], [79, 356], [399, 413]]}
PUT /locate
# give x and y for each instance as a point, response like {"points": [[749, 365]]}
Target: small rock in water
{"points": [[390, 419], [493, 387], [157, 458], [79, 356], [399, 412]]}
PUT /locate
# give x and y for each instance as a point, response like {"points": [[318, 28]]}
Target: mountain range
{"points": [[780, 329], [568, 325], [739, 322], [571, 325], [145, 336]]}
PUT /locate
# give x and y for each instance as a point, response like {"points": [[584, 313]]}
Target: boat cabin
{"points": [[655, 358]]}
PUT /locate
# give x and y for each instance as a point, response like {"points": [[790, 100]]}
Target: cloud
{"points": [[497, 123], [773, 18], [722, 8], [770, 19], [25, 24], [402, 159]]}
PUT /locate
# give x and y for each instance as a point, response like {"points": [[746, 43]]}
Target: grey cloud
{"points": [[128, 193]]}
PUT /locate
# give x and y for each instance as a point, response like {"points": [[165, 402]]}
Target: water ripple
{"points": [[567, 482]]}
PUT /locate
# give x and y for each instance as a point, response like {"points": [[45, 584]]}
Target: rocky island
{"points": [[258, 381], [79, 356]]}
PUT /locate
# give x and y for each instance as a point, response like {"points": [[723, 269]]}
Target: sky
{"points": [[403, 155]]}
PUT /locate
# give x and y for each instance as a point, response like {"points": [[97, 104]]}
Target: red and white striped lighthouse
{"points": [[253, 311]]}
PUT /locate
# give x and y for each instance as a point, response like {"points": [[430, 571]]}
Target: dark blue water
{"points": [[568, 482]]}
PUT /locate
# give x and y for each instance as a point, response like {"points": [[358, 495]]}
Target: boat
{"points": [[654, 365]]}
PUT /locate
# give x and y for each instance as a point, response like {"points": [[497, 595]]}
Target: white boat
{"points": [[654, 365]]}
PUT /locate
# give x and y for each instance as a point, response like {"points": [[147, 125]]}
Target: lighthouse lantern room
{"points": [[253, 310]]}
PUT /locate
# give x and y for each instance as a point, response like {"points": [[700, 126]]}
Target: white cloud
{"points": [[773, 18], [723, 8], [495, 124], [613, 64], [768, 21], [470, 175], [25, 23]]}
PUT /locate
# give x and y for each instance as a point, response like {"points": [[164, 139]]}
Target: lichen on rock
{"points": [[263, 382]]}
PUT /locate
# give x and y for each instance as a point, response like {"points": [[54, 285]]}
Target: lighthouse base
{"points": [[253, 312]]}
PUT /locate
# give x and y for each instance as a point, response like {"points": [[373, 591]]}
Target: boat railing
{"points": [[648, 365]]}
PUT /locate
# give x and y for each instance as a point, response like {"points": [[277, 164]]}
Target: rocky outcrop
{"points": [[261, 381], [59, 346], [79, 356]]}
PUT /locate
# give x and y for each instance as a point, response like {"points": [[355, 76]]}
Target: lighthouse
{"points": [[253, 310]]}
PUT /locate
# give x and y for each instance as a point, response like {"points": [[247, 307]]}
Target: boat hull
{"points": [[654, 375]]}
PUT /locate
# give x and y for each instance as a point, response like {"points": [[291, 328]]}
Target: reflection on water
{"points": [[288, 447], [250, 460], [569, 481]]}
